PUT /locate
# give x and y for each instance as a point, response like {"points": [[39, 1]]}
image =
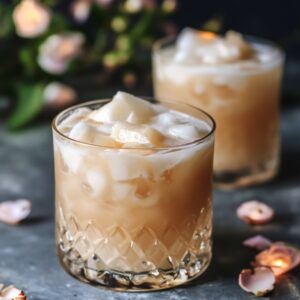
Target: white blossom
{"points": [[133, 6]]}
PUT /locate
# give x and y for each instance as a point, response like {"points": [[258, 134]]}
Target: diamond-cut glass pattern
{"points": [[121, 259]]}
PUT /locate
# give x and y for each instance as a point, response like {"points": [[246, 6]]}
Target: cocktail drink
{"points": [[133, 192], [237, 81]]}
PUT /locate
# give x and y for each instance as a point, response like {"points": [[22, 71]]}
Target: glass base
{"points": [[228, 180], [155, 279]]}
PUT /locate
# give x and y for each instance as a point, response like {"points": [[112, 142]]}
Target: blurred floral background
{"points": [[43, 42], [53, 50]]}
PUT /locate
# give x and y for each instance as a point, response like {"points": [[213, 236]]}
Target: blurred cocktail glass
{"points": [[238, 82]]}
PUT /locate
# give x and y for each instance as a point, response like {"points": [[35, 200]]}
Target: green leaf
{"points": [[27, 58], [141, 26], [29, 103], [6, 25], [50, 3], [58, 23]]}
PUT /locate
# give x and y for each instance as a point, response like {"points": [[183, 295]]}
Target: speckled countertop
{"points": [[27, 252]]}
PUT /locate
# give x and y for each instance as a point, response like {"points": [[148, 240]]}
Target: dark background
{"points": [[278, 20]]}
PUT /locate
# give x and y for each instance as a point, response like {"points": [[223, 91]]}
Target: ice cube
{"points": [[199, 88], [105, 141], [228, 52], [236, 40], [122, 191], [164, 120], [104, 128], [162, 162], [236, 83], [187, 39], [186, 44], [126, 166], [208, 54], [97, 180], [74, 117], [89, 133], [176, 74], [124, 107], [82, 132], [72, 155], [184, 131], [125, 133], [132, 118], [185, 56]]}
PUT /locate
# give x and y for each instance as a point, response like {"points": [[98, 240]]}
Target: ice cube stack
{"points": [[209, 48], [131, 122]]}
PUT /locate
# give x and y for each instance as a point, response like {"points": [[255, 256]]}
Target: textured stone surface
{"points": [[27, 253]]}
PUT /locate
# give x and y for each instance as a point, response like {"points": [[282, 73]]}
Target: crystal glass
{"points": [[134, 219], [244, 101]]}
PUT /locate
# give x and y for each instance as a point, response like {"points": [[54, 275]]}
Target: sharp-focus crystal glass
{"points": [[134, 219], [244, 102]]}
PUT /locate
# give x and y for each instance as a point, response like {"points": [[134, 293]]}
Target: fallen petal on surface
{"points": [[21, 296], [259, 281], [255, 212], [258, 242], [280, 257], [12, 212], [12, 293]]}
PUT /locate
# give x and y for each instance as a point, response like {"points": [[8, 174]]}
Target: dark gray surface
{"points": [[27, 255]]}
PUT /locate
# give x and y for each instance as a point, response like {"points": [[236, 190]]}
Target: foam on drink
{"points": [[128, 121]]}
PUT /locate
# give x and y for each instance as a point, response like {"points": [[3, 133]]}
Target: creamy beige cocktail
{"points": [[133, 192], [238, 83]]}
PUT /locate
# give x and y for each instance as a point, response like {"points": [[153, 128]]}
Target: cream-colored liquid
{"points": [[242, 96], [135, 209]]}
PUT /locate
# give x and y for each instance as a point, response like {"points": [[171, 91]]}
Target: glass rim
{"points": [[202, 139], [279, 57]]}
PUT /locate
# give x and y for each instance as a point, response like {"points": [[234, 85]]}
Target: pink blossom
{"points": [[58, 50], [31, 18], [57, 95], [81, 10]]}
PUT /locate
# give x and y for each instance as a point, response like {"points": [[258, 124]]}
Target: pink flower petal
{"points": [[11, 292], [12, 212], [57, 95], [81, 10], [259, 281], [255, 212], [258, 242], [280, 257], [21, 296], [31, 18], [58, 50]]}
